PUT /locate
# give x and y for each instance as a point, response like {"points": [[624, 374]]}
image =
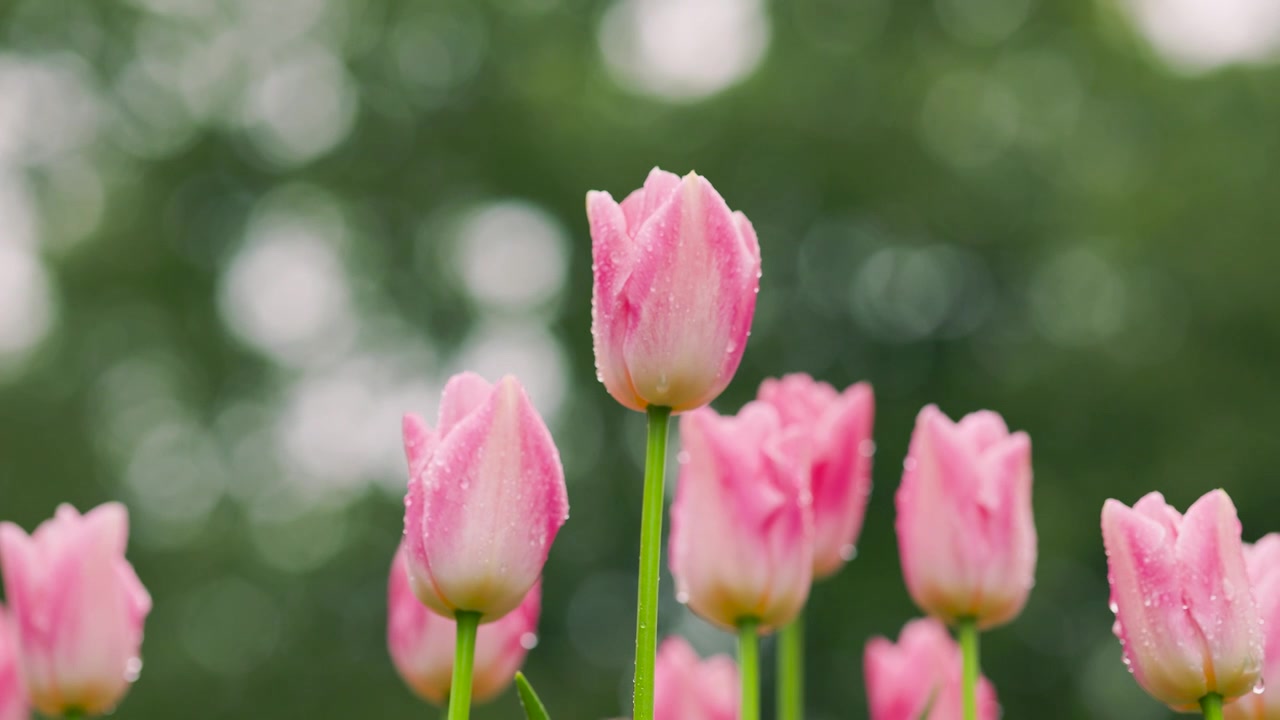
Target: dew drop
{"points": [[867, 448], [682, 457], [848, 552], [1259, 687], [1115, 607], [682, 597], [528, 641], [132, 669]]}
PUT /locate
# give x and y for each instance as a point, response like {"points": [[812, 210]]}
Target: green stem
{"points": [[655, 463], [73, 714], [1212, 706], [791, 670], [968, 632], [749, 665], [463, 657]]}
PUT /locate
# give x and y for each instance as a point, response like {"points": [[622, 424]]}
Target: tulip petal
{"points": [[419, 442], [1162, 646], [611, 251], [640, 204], [1217, 588], [462, 395]]}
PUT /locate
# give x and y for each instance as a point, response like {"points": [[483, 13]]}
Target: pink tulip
{"points": [[1263, 561], [422, 642], [1185, 613], [741, 525], [78, 608], [676, 275], [838, 426], [486, 498], [13, 696], [965, 530], [688, 688], [919, 675]]}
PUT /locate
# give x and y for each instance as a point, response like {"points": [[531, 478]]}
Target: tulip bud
{"points": [[676, 275], [1184, 606], [966, 535], [486, 499], [1263, 561], [687, 688], [422, 642], [741, 526], [78, 609], [13, 696], [838, 427], [920, 677]]}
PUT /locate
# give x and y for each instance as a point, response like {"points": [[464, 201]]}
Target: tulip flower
{"points": [[1184, 605], [78, 608], [920, 677], [965, 530], [688, 688], [742, 527], [675, 280], [13, 696], [1263, 561], [838, 426], [676, 274], [486, 499], [422, 643]]}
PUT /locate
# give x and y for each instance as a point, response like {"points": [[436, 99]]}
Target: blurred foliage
{"points": [[239, 238]]}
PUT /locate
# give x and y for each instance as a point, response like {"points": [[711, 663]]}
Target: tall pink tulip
{"points": [[78, 607], [13, 696], [689, 688], [486, 498], [676, 275], [741, 525], [921, 673], [966, 534], [1263, 561], [1185, 612], [838, 426], [422, 643]]}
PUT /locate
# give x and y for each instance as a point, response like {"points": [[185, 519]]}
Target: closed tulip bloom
{"points": [[77, 607], [13, 697], [486, 498], [422, 643], [1185, 612], [676, 275], [687, 687], [966, 534], [838, 426], [919, 678], [741, 525], [1263, 561]]}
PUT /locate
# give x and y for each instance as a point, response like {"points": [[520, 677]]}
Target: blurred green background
{"points": [[239, 238]]}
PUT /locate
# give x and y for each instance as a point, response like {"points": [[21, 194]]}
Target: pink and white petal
{"points": [[1153, 506], [1217, 588], [982, 429], [1161, 643]]}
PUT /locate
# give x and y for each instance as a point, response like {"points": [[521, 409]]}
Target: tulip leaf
{"points": [[928, 706], [533, 708]]}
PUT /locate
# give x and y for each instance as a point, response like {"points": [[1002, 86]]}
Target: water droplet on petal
{"points": [[528, 641], [848, 552]]}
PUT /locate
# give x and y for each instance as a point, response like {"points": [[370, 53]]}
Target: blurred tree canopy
{"points": [[238, 239]]}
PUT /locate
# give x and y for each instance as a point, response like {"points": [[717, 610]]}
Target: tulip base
{"points": [[1211, 704], [655, 464], [463, 659], [791, 670], [967, 629], [749, 665]]}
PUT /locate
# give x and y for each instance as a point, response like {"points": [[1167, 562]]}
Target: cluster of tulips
{"points": [[768, 500]]}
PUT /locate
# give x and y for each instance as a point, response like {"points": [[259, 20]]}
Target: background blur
{"points": [[239, 238]]}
